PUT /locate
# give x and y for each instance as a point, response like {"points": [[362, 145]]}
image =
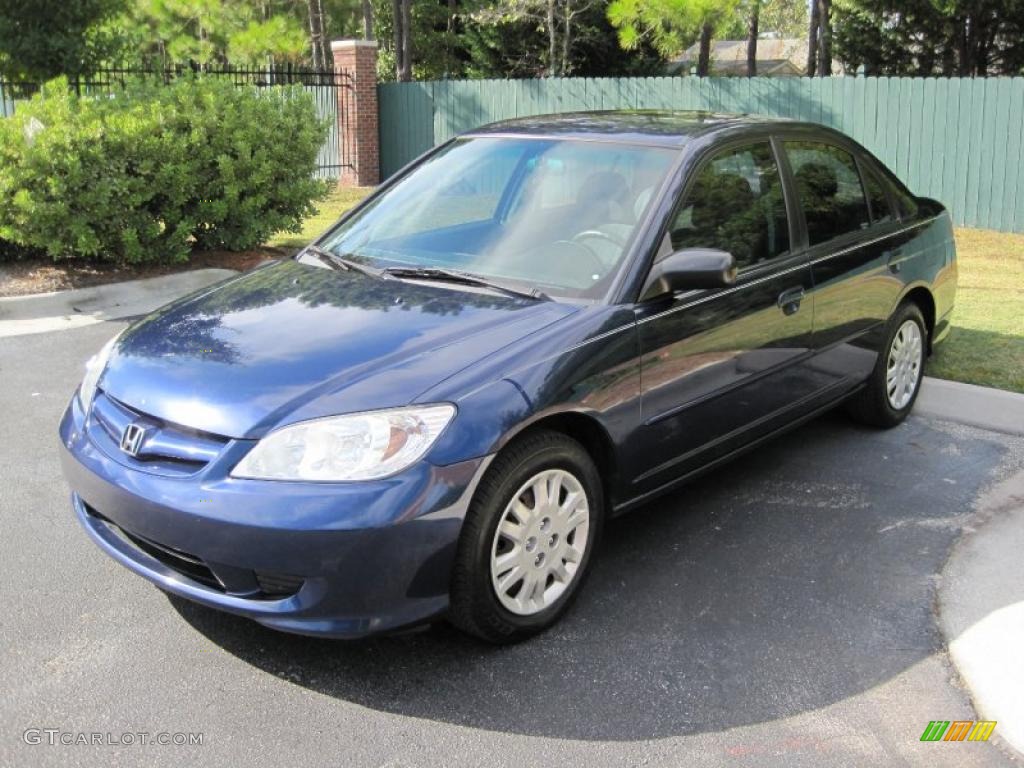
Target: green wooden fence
{"points": [[957, 140]]}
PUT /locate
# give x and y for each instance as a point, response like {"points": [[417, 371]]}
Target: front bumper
{"points": [[342, 560]]}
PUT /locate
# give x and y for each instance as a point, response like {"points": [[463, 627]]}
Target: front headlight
{"points": [[356, 446], [93, 370]]}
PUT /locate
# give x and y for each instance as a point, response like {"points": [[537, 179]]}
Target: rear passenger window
{"points": [[736, 205], [829, 188], [881, 210]]}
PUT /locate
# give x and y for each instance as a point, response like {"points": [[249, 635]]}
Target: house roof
{"points": [[775, 56]]}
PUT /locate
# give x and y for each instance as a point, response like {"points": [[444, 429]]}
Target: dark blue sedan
{"points": [[540, 324]]}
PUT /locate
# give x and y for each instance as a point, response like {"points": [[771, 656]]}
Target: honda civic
{"points": [[543, 323]]}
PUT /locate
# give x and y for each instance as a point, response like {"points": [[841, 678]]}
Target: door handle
{"points": [[894, 260], [789, 301]]}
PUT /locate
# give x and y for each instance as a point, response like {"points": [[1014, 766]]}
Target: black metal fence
{"points": [[332, 93]]}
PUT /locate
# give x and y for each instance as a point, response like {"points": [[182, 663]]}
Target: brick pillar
{"points": [[357, 112]]}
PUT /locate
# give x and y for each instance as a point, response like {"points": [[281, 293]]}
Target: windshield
{"points": [[550, 215]]}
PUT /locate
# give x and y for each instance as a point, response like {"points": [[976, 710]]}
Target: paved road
{"points": [[780, 611]]}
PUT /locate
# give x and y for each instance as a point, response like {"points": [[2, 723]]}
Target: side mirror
{"points": [[689, 269]]}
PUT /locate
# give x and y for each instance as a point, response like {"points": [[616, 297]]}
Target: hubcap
{"points": [[540, 542], [904, 368]]}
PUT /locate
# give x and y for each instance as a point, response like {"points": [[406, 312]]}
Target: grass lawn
{"points": [[339, 201], [986, 345]]}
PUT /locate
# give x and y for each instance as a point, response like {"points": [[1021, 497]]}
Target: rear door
{"points": [[848, 228], [718, 365]]}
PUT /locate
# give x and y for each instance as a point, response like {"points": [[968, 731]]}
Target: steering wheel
{"points": [[599, 235]]}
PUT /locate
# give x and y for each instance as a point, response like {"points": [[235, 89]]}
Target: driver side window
{"points": [[735, 204]]}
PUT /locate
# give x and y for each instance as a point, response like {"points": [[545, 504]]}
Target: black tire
{"points": [[871, 405], [475, 607]]}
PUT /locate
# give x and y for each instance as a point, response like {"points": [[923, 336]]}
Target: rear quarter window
{"points": [[878, 197], [905, 203]]}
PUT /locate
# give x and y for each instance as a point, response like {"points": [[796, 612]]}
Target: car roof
{"points": [[659, 127]]}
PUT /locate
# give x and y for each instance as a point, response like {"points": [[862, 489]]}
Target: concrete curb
{"points": [[981, 593], [981, 610], [61, 310], [983, 407]]}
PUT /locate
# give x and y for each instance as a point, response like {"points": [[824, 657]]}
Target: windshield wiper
{"points": [[466, 278], [339, 262]]}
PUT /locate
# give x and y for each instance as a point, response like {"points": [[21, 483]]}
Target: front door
{"points": [[718, 365]]}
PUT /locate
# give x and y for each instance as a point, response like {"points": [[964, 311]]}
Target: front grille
{"points": [[166, 448]]}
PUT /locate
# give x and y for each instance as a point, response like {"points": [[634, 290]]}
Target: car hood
{"points": [[293, 341]]}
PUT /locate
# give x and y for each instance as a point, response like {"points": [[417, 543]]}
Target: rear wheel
{"points": [[527, 539], [894, 383]]}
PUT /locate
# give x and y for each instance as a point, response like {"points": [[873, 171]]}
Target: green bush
{"points": [[152, 170], [13, 252]]}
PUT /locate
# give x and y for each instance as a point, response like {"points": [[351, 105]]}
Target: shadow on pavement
{"points": [[798, 576]]}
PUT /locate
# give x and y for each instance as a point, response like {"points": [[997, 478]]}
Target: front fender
{"points": [[597, 379], [484, 417]]}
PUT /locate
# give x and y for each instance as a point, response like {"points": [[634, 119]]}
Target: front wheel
{"points": [[527, 539], [894, 383]]}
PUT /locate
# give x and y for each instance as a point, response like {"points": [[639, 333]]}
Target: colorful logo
{"points": [[958, 730]]}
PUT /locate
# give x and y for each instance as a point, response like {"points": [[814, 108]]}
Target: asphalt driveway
{"points": [[779, 611]]}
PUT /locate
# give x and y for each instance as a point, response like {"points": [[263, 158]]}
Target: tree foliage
{"points": [[207, 31], [508, 38], [930, 37], [671, 26], [436, 50], [513, 40], [41, 39], [784, 18]]}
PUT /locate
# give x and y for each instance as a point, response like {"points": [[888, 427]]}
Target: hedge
{"points": [[152, 170]]}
